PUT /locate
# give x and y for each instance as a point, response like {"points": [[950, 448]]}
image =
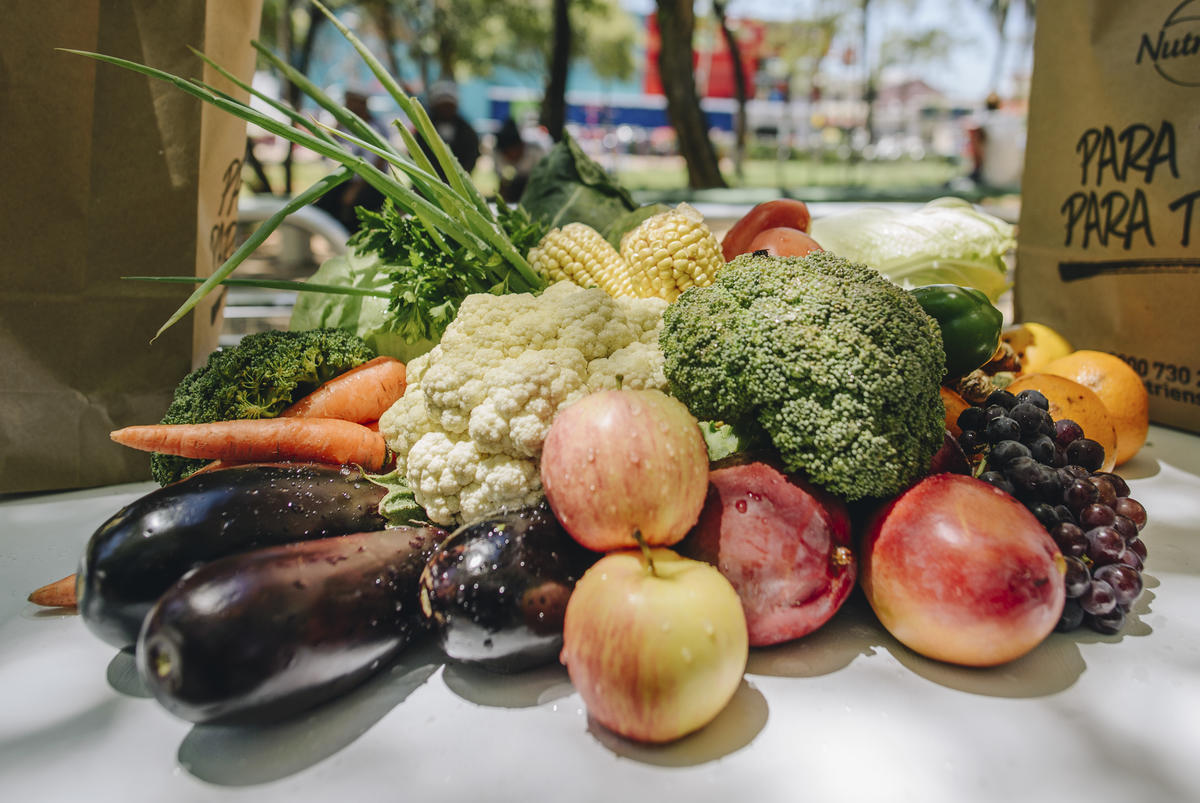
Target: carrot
{"points": [[322, 440], [59, 594], [361, 394]]}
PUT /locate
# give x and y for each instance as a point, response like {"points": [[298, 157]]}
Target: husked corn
{"points": [[578, 253], [670, 252]]}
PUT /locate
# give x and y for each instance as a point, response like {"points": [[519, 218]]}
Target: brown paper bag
{"points": [[108, 174], [1109, 237]]}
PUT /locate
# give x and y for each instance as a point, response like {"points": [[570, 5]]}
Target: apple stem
{"points": [[637, 536]]}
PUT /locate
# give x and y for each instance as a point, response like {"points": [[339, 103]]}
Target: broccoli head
{"points": [[258, 378], [831, 362]]}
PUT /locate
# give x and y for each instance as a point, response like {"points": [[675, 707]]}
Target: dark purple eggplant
{"points": [[264, 635], [151, 542], [497, 589]]}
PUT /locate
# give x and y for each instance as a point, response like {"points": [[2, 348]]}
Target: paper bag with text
{"points": [[108, 174], [1109, 237]]}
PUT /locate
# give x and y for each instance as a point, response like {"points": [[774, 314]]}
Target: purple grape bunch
{"points": [[1051, 468]]}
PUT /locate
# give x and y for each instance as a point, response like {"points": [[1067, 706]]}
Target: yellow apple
{"points": [[655, 643]]}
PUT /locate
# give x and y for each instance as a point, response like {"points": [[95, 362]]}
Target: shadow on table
{"points": [[66, 736], [1053, 666], [525, 689], [853, 632], [733, 729], [246, 755], [122, 675]]}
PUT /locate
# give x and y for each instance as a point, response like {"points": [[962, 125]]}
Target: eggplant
{"points": [[497, 589], [258, 637], [150, 543]]}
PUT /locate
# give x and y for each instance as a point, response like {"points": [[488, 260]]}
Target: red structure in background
{"points": [[711, 60]]}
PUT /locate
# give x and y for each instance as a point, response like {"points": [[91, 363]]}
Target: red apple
{"points": [[657, 650], [621, 462], [960, 571]]}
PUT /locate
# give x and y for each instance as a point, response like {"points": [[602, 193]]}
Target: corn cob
{"points": [[578, 253], [670, 252]]}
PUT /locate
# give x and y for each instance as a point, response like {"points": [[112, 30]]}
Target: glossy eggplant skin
{"points": [[150, 543], [497, 589], [262, 636]]}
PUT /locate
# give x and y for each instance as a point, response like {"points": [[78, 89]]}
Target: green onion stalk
{"points": [[448, 215]]}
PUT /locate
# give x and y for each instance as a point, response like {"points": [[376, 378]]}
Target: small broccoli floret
{"points": [[836, 364], [259, 377]]}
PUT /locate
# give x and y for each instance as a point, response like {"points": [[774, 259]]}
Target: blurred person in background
{"points": [[454, 129], [996, 142], [515, 156], [341, 201]]}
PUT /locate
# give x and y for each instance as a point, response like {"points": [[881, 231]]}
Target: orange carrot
{"points": [[322, 440], [361, 394], [59, 594]]}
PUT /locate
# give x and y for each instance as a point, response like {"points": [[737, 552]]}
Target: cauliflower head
{"points": [[469, 429]]}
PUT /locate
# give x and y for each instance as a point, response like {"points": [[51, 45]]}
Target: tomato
{"points": [[783, 242], [786, 212]]}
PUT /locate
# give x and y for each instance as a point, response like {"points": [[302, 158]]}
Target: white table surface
{"points": [[845, 714]]}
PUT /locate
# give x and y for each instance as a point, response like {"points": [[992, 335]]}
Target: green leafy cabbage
{"points": [[567, 186], [366, 316], [947, 241]]}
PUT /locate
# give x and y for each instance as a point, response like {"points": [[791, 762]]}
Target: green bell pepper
{"points": [[970, 324]]}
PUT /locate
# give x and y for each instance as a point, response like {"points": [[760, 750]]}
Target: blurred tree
{"points": [[896, 47], [289, 29], [454, 39], [799, 47], [739, 87], [676, 24], [906, 48], [998, 11], [382, 15], [473, 37], [554, 99], [608, 48]]}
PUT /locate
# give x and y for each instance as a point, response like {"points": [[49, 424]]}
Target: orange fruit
{"points": [[955, 404], [1118, 386], [1069, 399]]}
